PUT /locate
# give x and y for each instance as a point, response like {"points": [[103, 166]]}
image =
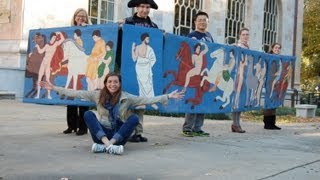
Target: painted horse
{"points": [[77, 61], [220, 70], [252, 82], [185, 65], [261, 70]]}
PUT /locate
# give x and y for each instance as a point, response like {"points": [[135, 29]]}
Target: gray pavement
{"points": [[33, 147]]}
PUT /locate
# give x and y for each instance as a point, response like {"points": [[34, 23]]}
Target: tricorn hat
{"points": [[135, 3]]}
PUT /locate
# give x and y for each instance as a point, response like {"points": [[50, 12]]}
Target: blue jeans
{"points": [[97, 130], [193, 122]]}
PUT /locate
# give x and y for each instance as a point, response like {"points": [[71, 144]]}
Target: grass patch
{"points": [[220, 116], [284, 115]]}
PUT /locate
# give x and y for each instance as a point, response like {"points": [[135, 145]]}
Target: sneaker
{"points": [[201, 133], [187, 133], [115, 149], [98, 148]]}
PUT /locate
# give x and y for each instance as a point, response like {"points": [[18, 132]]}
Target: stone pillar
{"points": [[11, 66], [298, 44], [10, 35], [217, 19], [286, 39], [254, 21], [164, 16], [26, 15], [121, 10]]}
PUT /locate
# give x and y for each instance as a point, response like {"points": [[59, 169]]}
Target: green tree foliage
{"points": [[310, 66]]}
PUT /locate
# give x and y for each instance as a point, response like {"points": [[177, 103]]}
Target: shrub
{"points": [[220, 116], [255, 114], [318, 112], [281, 111], [284, 111]]}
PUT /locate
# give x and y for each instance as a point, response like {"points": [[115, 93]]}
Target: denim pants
{"points": [[193, 122], [97, 130]]}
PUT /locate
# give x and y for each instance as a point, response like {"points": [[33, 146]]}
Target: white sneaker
{"points": [[115, 149], [98, 148]]}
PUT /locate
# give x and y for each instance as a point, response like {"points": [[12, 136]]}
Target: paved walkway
{"points": [[33, 147]]}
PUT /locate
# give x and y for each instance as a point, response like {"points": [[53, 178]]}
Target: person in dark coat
{"points": [[140, 18]]}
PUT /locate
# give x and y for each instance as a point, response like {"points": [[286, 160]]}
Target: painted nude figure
{"points": [[240, 74], [197, 60], [49, 49], [261, 70]]}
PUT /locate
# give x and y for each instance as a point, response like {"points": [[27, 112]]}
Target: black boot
{"points": [[81, 123], [68, 131], [267, 122], [273, 121], [72, 115], [137, 138], [81, 132]]}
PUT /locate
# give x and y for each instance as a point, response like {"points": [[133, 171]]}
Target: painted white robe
{"points": [[144, 73]]}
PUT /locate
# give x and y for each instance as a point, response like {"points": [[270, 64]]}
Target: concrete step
{"points": [[7, 95]]}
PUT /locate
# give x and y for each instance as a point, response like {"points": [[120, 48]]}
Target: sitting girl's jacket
{"points": [[127, 101]]}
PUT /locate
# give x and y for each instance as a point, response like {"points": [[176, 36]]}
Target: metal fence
{"points": [[310, 98]]}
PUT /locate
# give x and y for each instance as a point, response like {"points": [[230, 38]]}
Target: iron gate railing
{"points": [[310, 98]]}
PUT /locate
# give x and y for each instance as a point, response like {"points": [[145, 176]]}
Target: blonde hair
{"points": [[73, 20]]}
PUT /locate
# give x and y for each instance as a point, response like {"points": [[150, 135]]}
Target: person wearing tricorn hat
{"points": [[135, 3], [140, 18]]}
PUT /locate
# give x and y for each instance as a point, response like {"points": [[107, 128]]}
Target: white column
{"points": [[298, 45], [216, 9], [164, 16], [121, 10], [287, 30], [254, 21]]}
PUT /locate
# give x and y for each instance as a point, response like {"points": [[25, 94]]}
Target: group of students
{"points": [[194, 121], [114, 123]]}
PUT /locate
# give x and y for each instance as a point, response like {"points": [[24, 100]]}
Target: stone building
{"points": [[269, 21]]}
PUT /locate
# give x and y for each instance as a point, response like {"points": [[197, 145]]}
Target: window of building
{"points": [[234, 20], [270, 25], [101, 11], [185, 10]]}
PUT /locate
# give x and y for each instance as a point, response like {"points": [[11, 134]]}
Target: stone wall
{"points": [[26, 15]]}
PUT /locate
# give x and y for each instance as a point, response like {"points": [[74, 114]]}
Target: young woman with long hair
{"points": [[113, 122]]}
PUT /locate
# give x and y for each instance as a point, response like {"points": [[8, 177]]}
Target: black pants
{"points": [[75, 118]]}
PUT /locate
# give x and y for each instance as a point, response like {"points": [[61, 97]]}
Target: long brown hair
{"points": [[272, 46], [105, 95], [73, 21]]}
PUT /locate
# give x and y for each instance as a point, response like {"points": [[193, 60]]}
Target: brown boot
{"points": [[237, 129]]}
